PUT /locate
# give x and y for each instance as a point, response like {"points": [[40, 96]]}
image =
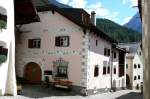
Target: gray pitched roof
{"points": [[130, 47]]}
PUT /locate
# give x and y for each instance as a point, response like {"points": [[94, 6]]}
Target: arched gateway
{"points": [[33, 73]]}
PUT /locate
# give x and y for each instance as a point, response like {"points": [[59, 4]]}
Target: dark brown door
{"points": [[33, 73]]}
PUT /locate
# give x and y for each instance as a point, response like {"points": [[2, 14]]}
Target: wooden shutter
{"points": [[57, 41], [30, 43]]}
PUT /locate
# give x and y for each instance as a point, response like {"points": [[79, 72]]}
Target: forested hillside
{"points": [[118, 32]]}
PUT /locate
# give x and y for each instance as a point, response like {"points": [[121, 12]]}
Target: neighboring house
{"points": [[7, 49], [134, 65], [65, 44]]}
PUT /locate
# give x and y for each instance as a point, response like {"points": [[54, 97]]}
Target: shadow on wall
{"points": [[132, 95], [3, 18]]}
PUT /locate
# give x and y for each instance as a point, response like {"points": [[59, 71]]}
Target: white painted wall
{"points": [[7, 69], [138, 71], [96, 57]]}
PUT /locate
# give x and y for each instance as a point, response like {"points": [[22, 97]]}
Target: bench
{"points": [[62, 83]]}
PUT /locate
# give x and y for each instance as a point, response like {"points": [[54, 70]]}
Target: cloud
{"points": [[131, 2], [64, 1], [101, 11], [78, 3], [125, 20]]}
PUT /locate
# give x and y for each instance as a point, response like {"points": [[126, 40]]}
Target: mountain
{"points": [[118, 32], [135, 23], [56, 3]]}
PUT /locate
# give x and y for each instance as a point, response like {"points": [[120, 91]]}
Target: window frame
{"points": [[59, 41], [96, 71], [34, 43]]}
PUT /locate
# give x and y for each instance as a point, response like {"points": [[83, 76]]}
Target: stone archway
{"points": [[32, 73]]}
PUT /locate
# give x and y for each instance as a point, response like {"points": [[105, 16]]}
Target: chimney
{"points": [[93, 19]]}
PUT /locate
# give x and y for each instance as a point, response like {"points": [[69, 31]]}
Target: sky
{"points": [[119, 11]]}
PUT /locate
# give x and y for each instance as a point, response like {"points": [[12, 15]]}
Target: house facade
{"points": [[134, 65], [7, 49], [62, 46]]}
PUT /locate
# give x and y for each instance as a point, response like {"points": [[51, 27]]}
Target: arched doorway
{"points": [[33, 73], [127, 81]]}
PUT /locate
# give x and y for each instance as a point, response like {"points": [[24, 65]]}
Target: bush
{"points": [[2, 24], [3, 58]]}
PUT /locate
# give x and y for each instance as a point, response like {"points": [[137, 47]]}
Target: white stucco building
{"points": [[64, 44], [7, 49], [134, 65]]}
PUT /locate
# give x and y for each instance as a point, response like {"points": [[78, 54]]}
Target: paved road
{"points": [[35, 92]]}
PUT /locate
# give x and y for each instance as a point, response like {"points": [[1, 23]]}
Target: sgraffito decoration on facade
{"points": [[3, 18]]}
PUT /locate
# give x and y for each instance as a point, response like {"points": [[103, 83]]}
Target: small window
{"points": [[105, 51], [139, 66], [34, 43], [135, 66], [108, 52], [115, 70], [115, 55], [140, 53], [62, 41], [126, 66], [108, 69], [135, 78], [96, 42], [104, 70], [139, 77], [96, 71], [62, 71]]}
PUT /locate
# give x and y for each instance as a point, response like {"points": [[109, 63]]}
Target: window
{"points": [[106, 52], [34, 43], [62, 71], [140, 53], [104, 67], [114, 69], [108, 69], [134, 77], [62, 41], [96, 42], [139, 77], [126, 66], [115, 55], [135, 66], [139, 66], [96, 71]]}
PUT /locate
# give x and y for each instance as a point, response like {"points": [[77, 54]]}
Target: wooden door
{"points": [[33, 73]]}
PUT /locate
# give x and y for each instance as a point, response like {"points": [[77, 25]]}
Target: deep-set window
{"points": [[62, 71], [62, 41], [104, 67], [108, 69], [96, 71], [135, 66], [106, 52], [115, 55], [34, 43], [115, 70], [139, 66], [139, 77], [135, 78], [96, 42], [126, 66]]}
